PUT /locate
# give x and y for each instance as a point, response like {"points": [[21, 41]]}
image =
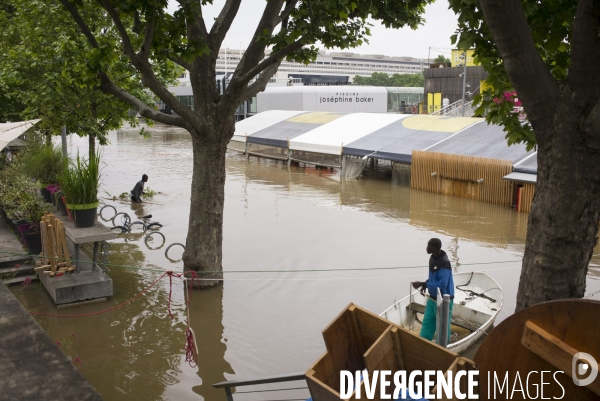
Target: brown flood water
{"points": [[260, 324]]}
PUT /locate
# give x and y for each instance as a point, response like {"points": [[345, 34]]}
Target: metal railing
{"points": [[455, 110], [227, 385]]}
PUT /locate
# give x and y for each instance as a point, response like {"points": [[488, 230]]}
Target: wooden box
{"points": [[358, 339]]}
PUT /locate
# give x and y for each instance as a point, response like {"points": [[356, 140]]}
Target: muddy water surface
{"points": [[276, 220]]}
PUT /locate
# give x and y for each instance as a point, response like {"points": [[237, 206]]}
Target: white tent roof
{"points": [[10, 131], [261, 121], [331, 137]]}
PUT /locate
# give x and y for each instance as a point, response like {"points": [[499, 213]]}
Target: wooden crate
{"points": [[358, 339]]}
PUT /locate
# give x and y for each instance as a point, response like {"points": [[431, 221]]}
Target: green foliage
{"points": [[43, 163], [48, 71], [19, 195], [397, 80], [551, 25], [80, 180], [441, 59]]}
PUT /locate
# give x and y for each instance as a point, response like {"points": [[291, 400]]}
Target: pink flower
{"points": [[27, 281], [77, 361], [72, 335], [57, 342], [17, 266]]}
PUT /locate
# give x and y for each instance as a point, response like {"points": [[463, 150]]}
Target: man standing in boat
{"points": [[440, 276]]}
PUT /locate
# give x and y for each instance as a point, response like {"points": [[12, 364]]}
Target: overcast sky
{"points": [[435, 33]]}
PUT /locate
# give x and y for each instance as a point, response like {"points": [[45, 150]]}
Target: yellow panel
{"points": [[457, 61], [483, 86], [438, 123], [437, 99], [317, 117]]}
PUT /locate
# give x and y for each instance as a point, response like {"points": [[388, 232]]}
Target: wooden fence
{"points": [[464, 176], [525, 198]]}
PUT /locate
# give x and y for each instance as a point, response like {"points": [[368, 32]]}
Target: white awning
{"points": [[331, 137], [10, 131], [260, 121], [521, 177]]}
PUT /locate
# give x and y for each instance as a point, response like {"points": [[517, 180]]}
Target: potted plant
{"points": [[79, 182], [44, 163]]}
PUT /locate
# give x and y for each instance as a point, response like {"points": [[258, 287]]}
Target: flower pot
{"points": [[84, 215], [32, 238], [46, 195], [33, 241]]}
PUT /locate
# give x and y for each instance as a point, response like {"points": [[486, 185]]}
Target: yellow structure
{"points": [[434, 102], [457, 61]]}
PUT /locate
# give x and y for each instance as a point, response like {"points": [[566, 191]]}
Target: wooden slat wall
{"points": [[457, 175], [526, 197]]}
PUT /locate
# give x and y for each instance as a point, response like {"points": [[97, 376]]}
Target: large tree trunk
{"points": [[92, 145], [563, 222], [204, 252]]}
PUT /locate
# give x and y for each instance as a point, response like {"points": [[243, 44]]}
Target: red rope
{"points": [[191, 353], [109, 309]]}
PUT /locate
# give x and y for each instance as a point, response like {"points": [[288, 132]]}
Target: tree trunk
{"points": [[563, 222], [92, 145], [48, 136], [204, 251]]}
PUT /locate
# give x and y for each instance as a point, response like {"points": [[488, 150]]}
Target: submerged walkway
{"points": [[32, 367]]}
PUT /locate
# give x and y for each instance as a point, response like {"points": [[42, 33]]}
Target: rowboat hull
{"points": [[477, 301]]}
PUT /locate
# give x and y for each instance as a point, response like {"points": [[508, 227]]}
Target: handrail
{"points": [[262, 380]]}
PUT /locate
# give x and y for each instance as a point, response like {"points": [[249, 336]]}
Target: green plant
{"points": [[44, 163], [80, 180], [19, 195]]}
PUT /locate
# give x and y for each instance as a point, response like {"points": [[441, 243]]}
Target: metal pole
{"points": [[445, 321], [64, 140], [464, 84]]}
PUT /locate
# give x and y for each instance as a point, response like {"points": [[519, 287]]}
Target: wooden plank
{"points": [[42, 268], [573, 321], [370, 326], [398, 348], [553, 350], [344, 343], [51, 248]]}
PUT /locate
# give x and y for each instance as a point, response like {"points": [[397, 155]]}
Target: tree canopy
{"points": [[397, 80], [545, 54], [45, 69], [441, 59]]}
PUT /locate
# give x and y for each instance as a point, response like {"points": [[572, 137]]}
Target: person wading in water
{"points": [[138, 190], [440, 276]]}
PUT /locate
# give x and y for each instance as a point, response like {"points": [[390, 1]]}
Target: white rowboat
{"points": [[477, 300]]}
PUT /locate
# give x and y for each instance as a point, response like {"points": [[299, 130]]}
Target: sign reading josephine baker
{"points": [[341, 99]]}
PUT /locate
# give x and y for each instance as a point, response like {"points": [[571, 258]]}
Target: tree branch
{"points": [[198, 18], [532, 80], [584, 71], [177, 60], [286, 12], [108, 87], [149, 33], [274, 58], [82, 25], [223, 23], [127, 47], [261, 82]]}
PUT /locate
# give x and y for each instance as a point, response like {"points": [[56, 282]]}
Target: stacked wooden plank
{"points": [[54, 259]]}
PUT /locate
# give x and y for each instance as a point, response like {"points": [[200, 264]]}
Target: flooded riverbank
{"points": [[276, 220]]}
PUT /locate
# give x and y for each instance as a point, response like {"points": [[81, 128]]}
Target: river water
{"points": [[276, 220]]}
